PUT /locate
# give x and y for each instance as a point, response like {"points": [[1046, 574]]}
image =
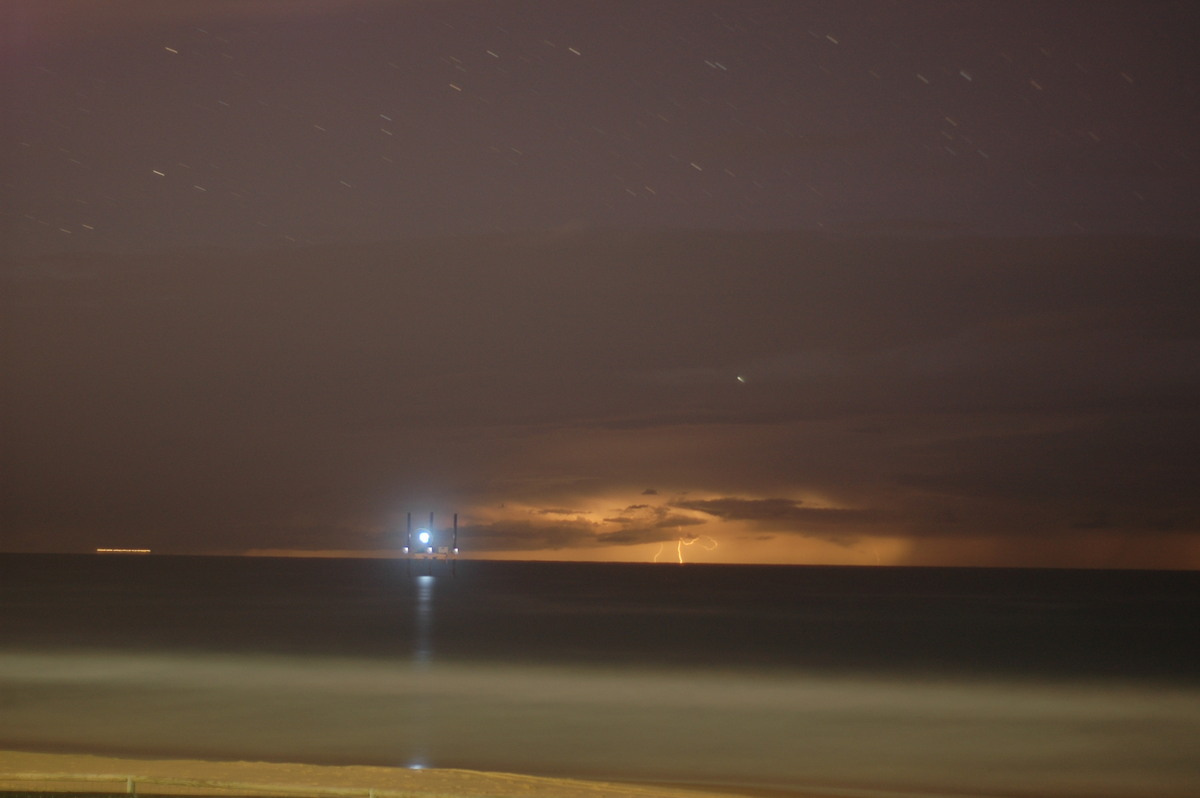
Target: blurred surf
{"points": [[928, 681]]}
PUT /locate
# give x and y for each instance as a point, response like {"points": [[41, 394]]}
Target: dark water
{"points": [[1126, 624], [860, 680]]}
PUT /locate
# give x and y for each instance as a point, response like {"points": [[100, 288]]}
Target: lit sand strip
{"points": [[66, 773]]}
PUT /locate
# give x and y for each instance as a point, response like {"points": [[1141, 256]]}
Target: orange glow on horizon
{"points": [[642, 527], [874, 552]]}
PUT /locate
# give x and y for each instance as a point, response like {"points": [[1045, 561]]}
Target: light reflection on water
{"points": [[421, 715], [423, 644]]}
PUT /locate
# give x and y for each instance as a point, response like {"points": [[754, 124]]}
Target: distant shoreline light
{"points": [[122, 551]]}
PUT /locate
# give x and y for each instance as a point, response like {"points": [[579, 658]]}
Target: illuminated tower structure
{"points": [[429, 544]]}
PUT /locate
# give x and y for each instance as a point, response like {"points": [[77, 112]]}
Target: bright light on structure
{"points": [[423, 546]]}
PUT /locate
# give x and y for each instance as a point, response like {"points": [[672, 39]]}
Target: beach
{"points": [[37, 771]]}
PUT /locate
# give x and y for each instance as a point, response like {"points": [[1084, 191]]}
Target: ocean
{"points": [[918, 680]]}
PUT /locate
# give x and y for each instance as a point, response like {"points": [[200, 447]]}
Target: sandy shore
{"points": [[38, 771]]}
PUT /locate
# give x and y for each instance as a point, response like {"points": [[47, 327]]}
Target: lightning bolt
{"points": [[706, 543]]}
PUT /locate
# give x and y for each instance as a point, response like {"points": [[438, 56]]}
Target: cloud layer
{"points": [[578, 391]]}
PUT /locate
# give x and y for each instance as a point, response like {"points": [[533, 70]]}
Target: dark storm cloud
{"points": [[944, 385], [636, 524], [637, 535], [841, 526], [493, 331], [773, 510], [1132, 469], [637, 521], [528, 536], [744, 509]]}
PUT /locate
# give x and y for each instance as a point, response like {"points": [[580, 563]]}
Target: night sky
{"points": [[854, 281]]}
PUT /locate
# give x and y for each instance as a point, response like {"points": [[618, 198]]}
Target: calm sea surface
{"points": [[856, 678], [1125, 624]]}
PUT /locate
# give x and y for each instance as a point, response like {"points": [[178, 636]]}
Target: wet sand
{"points": [[38, 771]]}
